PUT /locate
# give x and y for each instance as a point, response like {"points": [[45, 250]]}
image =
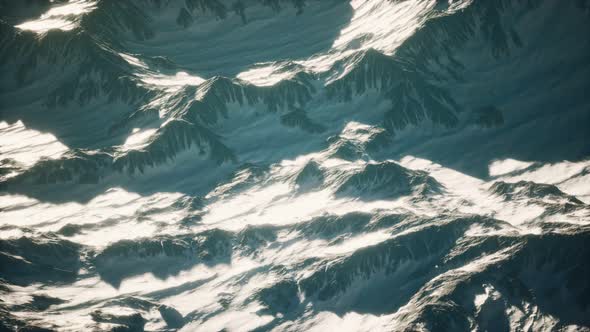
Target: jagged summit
{"points": [[550, 197], [529, 189], [310, 177], [388, 180]]}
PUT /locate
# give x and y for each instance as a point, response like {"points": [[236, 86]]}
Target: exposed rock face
{"points": [[388, 180]]}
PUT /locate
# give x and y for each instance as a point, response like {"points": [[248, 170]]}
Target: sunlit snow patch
{"points": [[501, 167], [133, 60], [27, 146], [381, 25], [138, 138], [172, 82], [61, 17], [269, 74]]}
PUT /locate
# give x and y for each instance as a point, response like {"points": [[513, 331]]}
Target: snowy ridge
{"points": [[290, 165]]}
